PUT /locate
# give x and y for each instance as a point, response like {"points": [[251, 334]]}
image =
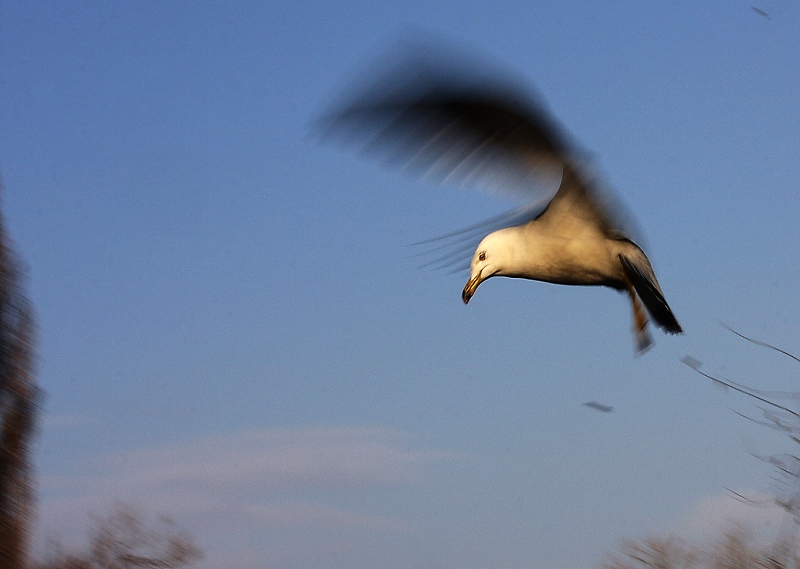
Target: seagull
{"points": [[489, 133]]}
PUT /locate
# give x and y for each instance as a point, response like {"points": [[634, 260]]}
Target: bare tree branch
{"points": [[122, 540], [762, 344]]}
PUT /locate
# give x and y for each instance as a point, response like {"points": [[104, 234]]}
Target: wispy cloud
{"points": [[309, 514], [275, 460], [271, 478]]}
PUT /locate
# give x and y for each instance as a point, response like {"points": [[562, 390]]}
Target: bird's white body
{"points": [[525, 251]]}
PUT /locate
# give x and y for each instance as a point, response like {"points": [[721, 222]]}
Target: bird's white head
{"points": [[490, 259]]}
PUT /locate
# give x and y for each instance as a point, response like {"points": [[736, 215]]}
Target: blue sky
{"points": [[233, 331]]}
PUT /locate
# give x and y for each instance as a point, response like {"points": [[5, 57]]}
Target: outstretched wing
{"points": [[450, 128], [491, 135]]}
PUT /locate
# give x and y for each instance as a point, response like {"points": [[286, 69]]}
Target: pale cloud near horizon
{"points": [[309, 514], [268, 478]]}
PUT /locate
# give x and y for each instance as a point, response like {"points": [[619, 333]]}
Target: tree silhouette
{"points": [[733, 549], [780, 411], [18, 405], [123, 540]]}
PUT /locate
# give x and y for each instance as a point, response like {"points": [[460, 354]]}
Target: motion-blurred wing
{"points": [[488, 135]]}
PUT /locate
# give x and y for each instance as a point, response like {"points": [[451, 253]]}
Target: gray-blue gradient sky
{"points": [[233, 331]]}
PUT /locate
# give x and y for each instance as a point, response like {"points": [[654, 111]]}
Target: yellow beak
{"points": [[470, 288]]}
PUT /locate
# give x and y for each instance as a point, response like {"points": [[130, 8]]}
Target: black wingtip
{"points": [[652, 297]]}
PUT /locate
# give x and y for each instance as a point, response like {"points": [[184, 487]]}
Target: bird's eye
{"points": [[482, 256]]}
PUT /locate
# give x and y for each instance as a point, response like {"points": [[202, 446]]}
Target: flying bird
{"points": [[490, 133], [599, 407]]}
